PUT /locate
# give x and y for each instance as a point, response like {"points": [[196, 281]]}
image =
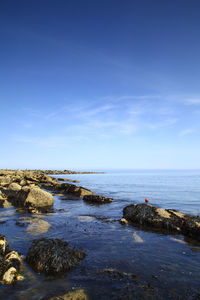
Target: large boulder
{"points": [[31, 197], [36, 197], [167, 219], [97, 199], [52, 256]]}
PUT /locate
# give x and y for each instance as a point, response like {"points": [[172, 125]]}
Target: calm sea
{"points": [[176, 189], [122, 262]]}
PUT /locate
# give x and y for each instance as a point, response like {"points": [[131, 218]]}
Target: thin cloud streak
{"points": [[186, 132], [192, 101]]}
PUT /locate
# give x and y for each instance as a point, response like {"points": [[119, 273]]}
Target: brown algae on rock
{"points": [[53, 256], [163, 219]]}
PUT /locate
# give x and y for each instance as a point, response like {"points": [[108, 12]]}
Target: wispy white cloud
{"points": [[161, 124], [186, 132], [98, 110], [192, 101], [109, 116], [51, 141]]}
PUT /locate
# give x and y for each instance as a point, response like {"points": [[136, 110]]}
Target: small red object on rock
{"points": [[146, 200]]}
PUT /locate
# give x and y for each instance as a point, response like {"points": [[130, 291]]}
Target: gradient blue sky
{"points": [[90, 84]]}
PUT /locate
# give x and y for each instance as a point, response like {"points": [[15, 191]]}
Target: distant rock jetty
{"points": [[169, 220], [55, 172], [52, 172]]}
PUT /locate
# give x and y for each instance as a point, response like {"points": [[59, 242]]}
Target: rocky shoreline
{"points": [[32, 191], [24, 189]]}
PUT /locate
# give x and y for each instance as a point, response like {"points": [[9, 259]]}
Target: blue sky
{"points": [[100, 84]]}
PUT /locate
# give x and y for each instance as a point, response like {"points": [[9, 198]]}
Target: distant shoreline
{"points": [[54, 172]]}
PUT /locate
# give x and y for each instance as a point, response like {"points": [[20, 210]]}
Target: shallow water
{"points": [[122, 262]]}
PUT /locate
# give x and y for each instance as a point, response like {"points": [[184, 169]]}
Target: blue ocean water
{"points": [[175, 189], [122, 262]]}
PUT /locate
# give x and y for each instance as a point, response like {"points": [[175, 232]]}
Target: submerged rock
{"points": [[167, 219], [52, 256], [97, 199], [37, 226], [70, 295]]}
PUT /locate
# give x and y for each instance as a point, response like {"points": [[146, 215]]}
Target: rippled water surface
{"points": [[122, 262]]}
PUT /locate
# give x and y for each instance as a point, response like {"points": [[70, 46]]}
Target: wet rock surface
{"points": [[23, 188], [53, 256], [67, 188], [163, 219], [97, 199], [10, 263], [65, 179]]}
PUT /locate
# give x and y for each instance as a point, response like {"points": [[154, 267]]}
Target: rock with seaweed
{"points": [[163, 219], [97, 199], [52, 256]]}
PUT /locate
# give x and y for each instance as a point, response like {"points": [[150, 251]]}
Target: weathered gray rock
{"points": [[52, 256], [167, 219], [97, 199]]}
